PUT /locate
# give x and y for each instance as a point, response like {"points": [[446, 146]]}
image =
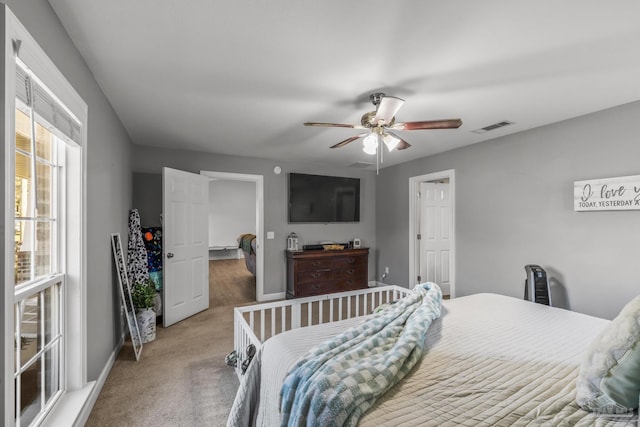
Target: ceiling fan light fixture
{"points": [[391, 141], [370, 144]]}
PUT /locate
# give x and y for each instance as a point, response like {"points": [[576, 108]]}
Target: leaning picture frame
{"points": [[125, 294]]}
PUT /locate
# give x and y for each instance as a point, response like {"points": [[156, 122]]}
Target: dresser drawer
{"points": [[308, 289], [355, 272], [347, 284], [314, 276], [349, 261], [315, 264]]}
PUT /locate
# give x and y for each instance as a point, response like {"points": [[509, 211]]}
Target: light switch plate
{"points": [[271, 235]]}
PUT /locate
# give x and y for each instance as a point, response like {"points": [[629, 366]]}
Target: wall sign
{"points": [[609, 194]]}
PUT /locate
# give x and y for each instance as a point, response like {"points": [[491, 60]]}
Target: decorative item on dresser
{"points": [[292, 242], [326, 271]]}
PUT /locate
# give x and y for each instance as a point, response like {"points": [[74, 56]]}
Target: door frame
{"points": [[259, 183], [414, 221]]}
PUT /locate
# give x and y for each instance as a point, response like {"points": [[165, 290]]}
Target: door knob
{"points": [[169, 255]]}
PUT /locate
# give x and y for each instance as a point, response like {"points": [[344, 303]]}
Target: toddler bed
{"points": [[489, 360]]}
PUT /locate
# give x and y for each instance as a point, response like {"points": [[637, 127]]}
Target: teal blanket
{"points": [[244, 242], [337, 381]]}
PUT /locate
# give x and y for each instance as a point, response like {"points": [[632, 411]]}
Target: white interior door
{"points": [[435, 234], [185, 204]]}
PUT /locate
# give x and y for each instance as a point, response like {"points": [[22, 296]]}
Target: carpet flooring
{"points": [[181, 378]]}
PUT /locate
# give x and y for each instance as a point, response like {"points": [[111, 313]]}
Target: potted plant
{"points": [[143, 297]]}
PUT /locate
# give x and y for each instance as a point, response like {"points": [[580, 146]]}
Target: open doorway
{"points": [[432, 230], [235, 229]]}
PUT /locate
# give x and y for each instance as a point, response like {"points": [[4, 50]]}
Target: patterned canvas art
{"points": [[136, 252]]}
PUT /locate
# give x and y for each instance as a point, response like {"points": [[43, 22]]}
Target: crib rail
{"points": [[255, 324]]}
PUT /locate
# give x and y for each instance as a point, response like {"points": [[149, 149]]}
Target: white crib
{"points": [[255, 324]]}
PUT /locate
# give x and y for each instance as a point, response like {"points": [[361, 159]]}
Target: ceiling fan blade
{"points": [[431, 124], [334, 125], [387, 109], [348, 140], [402, 145]]}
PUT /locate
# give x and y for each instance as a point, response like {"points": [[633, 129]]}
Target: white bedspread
{"points": [[489, 360]]}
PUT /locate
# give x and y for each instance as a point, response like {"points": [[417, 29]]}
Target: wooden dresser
{"points": [[323, 272]]}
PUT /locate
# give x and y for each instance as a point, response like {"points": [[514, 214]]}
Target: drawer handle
{"points": [[316, 263], [351, 282], [315, 275], [316, 287], [351, 261], [351, 271]]}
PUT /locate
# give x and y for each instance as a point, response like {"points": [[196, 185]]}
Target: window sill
{"points": [[68, 410]]}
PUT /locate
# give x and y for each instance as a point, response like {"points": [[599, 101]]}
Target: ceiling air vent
{"points": [[361, 165], [493, 127]]}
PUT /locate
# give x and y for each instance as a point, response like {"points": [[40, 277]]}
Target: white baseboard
{"points": [[375, 283], [225, 254], [272, 297]]}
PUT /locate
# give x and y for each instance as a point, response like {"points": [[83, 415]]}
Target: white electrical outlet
{"points": [[270, 235], [386, 270]]}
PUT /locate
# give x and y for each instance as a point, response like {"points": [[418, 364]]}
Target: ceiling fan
{"points": [[382, 121]]}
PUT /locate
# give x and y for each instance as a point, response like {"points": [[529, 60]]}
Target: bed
{"points": [[247, 243], [489, 360]]}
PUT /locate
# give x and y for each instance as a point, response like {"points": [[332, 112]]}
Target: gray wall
{"points": [[147, 198], [514, 206], [232, 211], [109, 179], [151, 160]]}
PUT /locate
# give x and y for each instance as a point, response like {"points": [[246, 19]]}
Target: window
{"points": [[45, 280], [38, 275]]}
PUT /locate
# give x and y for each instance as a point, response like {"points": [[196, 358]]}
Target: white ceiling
{"points": [[240, 77]]}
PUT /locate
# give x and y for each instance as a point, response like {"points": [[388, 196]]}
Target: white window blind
{"points": [[46, 106]]}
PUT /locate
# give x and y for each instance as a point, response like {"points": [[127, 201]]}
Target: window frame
{"points": [[39, 283], [57, 166], [73, 252]]}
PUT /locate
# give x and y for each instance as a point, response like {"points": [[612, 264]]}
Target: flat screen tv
{"points": [[324, 199]]}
